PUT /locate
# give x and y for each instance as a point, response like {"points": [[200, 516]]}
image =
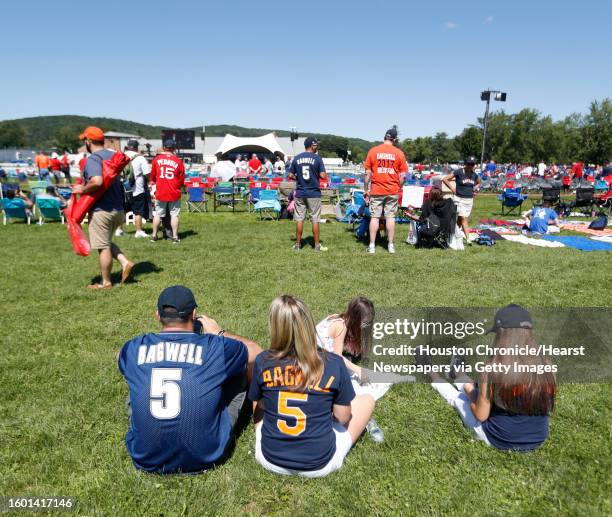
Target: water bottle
{"points": [[375, 432], [412, 233]]}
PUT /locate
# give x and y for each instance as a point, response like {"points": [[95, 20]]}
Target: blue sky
{"points": [[346, 67]]}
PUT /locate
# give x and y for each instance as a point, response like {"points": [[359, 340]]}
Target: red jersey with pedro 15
{"points": [[386, 162], [168, 176]]}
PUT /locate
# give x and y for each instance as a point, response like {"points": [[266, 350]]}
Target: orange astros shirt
{"points": [[386, 162]]}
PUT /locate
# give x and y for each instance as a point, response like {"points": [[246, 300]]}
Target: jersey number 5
{"points": [[284, 398], [165, 393], [306, 172]]}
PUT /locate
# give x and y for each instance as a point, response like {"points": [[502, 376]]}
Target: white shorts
{"points": [[343, 446], [162, 206], [464, 205]]}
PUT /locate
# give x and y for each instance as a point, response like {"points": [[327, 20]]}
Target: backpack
{"points": [[430, 227], [485, 240], [600, 223]]}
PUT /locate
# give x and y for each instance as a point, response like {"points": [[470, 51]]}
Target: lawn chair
{"points": [[13, 209], [196, 199], [447, 215], [49, 209], [511, 200], [223, 195], [584, 200], [551, 195], [601, 186], [9, 186], [268, 206]]}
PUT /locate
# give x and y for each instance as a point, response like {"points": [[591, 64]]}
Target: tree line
{"points": [[523, 137]]}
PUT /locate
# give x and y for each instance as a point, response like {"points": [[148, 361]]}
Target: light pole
{"points": [[486, 96]]}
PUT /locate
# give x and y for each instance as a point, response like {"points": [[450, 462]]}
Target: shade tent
{"points": [[245, 145]]}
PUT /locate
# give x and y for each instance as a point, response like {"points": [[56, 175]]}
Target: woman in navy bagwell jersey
{"points": [[311, 416]]}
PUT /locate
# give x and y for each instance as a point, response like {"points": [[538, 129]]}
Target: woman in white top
{"points": [[348, 335]]}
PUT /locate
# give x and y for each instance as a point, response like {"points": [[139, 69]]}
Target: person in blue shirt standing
{"points": [[307, 169], [187, 388], [539, 218]]}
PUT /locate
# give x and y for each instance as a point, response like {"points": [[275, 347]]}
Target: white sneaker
{"points": [[391, 247], [141, 235], [118, 232], [371, 249]]}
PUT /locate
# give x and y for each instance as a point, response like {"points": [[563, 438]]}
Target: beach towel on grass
{"points": [[607, 238], [580, 243], [584, 228], [521, 239]]}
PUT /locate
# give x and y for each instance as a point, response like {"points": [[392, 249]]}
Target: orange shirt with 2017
{"points": [[387, 163], [42, 161]]}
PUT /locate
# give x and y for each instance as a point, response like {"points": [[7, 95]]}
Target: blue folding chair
{"points": [[268, 206], [223, 196], [14, 209], [511, 200], [196, 199], [49, 208]]}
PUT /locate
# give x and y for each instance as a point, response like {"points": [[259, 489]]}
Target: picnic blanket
{"points": [[606, 238], [580, 243], [584, 228], [521, 239]]}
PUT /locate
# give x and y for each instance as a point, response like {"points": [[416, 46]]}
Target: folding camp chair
{"points": [[551, 195], [584, 200], [14, 210], [268, 206], [447, 215], [511, 200], [9, 186], [223, 195], [196, 199], [49, 209]]}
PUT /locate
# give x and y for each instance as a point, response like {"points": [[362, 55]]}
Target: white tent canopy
{"points": [[265, 143]]}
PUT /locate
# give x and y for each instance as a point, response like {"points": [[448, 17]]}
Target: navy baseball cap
{"points": [[470, 160], [391, 134], [179, 298], [310, 141], [132, 144], [169, 144], [512, 316]]}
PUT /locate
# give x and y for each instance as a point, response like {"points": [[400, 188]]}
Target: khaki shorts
{"points": [[464, 205], [386, 203], [310, 204], [162, 206], [102, 226]]}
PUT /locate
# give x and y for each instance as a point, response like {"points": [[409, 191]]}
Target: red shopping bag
{"points": [[79, 242]]}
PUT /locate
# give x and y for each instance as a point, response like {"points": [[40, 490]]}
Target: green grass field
{"points": [[62, 402]]}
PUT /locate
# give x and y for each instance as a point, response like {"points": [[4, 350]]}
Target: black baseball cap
{"points": [[470, 160], [169, 143], [512, 316], [310, 141], [132, 144], [179, 298], [391, 134]]}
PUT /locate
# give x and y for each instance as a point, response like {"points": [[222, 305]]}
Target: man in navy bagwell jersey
{"points": [[187, 388], [307, 169]]}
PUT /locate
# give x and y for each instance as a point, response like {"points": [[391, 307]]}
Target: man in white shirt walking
{"points": [[141, 199]]}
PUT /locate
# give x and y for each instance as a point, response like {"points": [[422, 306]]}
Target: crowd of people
{"points": [[307, 393]]}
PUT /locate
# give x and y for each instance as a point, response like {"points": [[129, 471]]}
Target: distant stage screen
{"points": [[184, 138]]}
